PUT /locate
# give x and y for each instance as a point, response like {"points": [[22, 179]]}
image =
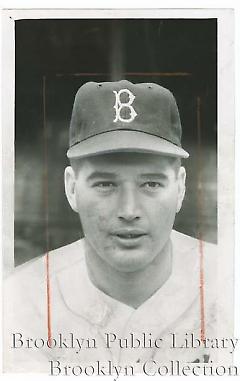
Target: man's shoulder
{"points": [[196, 256], [183, 242], [66, 256], [57, 260]]}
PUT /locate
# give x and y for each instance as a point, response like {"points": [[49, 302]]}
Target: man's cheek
{"points": [[102, 221], [169, 214], [94, 218], [165, 215]]}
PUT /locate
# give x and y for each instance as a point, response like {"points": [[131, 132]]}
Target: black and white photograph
{"points": [[119, 258]]}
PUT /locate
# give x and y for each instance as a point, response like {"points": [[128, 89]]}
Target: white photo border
{"points": [[228, 138]]}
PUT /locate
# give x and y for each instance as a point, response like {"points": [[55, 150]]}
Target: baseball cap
{"points": [[124, 117]]}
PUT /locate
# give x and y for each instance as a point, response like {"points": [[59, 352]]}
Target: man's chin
{"points": [[128, 262]]}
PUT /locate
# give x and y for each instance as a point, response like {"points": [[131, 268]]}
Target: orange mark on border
{"points": [[135, 74], [49, 326], [161, 74], [202, 307], [45, 179], [200, 206]]}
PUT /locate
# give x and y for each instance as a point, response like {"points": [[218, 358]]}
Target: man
{"points": [[131, 293]]}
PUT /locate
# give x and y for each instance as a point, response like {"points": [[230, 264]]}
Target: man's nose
{"points": [[128, 207]]}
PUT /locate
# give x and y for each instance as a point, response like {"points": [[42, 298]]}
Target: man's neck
{"points": [[133, 288]]}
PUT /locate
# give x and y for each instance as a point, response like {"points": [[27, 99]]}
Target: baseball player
{"points": [[133, 291]]}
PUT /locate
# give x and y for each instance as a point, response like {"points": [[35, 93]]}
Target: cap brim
{"points": [[125, 141]]}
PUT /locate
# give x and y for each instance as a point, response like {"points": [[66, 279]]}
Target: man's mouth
{"points": [[129, 235], [129, 238]]}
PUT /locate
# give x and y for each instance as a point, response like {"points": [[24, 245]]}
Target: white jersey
{"points": [[89, 327]]}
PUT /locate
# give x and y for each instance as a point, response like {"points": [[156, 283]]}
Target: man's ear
{"points": [[181, 187], [70, 187]]}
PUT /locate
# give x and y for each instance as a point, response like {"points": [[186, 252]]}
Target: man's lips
{"points": [[129, 233]]}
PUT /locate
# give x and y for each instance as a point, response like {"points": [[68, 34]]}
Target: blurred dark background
{"points": [[53, 59]]}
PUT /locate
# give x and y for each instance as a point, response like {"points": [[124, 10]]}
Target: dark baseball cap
{"points": [[125, 117]]}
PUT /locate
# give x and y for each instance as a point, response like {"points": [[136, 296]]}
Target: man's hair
{"points": [[77, 162]]}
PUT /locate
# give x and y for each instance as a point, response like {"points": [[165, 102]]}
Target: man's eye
{"points": [[104, 184], [152, 185]]}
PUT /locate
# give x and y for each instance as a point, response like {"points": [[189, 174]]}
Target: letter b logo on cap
{"points": [[119, 106]]}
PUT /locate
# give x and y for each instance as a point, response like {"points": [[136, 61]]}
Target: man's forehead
{"points": [[123, 159]]}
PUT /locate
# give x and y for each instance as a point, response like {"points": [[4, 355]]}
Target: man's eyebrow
{"points": [[101, 174], [155, 175]]}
